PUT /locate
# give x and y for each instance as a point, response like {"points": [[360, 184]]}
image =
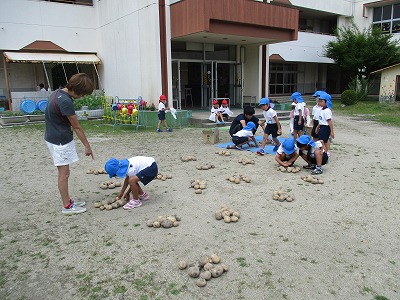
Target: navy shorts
{"points": [[313, 134], [161, 115], [324, 159], [238, 140], [324, 132], [148, 174], [271, 129], [296, 126]]}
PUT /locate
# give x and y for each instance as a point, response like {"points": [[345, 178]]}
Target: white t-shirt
{"points": [[138, 163], [269, 116], [315, 112], [242, 133], [299, 106], [280, 149], [318, 145], [226, 110], [213, 114], [324, 116], [161, 106]]}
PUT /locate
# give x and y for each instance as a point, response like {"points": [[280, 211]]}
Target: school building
{"points": [[190, 50]]}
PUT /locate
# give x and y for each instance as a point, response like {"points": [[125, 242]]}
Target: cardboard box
{"points": [[211, 136]]}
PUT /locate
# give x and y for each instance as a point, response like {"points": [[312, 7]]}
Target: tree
{"points": [[360, 52]]}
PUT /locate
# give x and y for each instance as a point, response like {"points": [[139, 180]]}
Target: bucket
{"points": [[27, 106], [41, 105]]}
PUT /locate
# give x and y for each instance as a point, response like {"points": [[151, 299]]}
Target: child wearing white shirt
{"points": [[216, 113]]}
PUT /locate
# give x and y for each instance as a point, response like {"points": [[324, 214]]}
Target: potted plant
{"points": [[94, 104]]}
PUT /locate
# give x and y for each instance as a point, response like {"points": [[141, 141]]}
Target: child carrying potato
{"points": [[313, 153], [287, 153], [135, 169], [244, 136]]}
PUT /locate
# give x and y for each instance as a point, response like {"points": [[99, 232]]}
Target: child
{"points": [[298, 121], [243, 136], [216, 113], [226, 112], [325, 125], [240, 121], [287, 153], [134, 169], [161, 113], [315, 112], [291, 117], [273, 126], [313, 153]]}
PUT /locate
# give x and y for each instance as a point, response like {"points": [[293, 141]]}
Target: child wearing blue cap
{"points": [[135, 169], [244, 136], [325, 125], [273, 126], [287, 153], [298, 122], [313, 153], [315, 112]]}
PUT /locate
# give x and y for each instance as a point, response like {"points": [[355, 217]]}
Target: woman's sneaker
{"points": [[73, 209], [133, 203]]}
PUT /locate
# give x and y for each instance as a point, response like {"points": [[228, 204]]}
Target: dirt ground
{"points": [[337, 240]]}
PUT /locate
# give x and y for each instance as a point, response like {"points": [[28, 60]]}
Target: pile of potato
{"points": [[238, 178], [164, 222], [312, 179], [109, 184], [288, 169], [110, 204], [163, 177], [198, 185], [246, 161], [282, 195], [186, 158], [205, 167], [223, 153], [96, 171], [227, 214], [205, 268]]}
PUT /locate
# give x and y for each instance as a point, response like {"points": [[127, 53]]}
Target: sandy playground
{"points": [[337, 240]]}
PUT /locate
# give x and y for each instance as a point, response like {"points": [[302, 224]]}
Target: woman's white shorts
{"points": [[63, 154]]}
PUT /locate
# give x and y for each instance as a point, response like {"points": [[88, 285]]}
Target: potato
{"points": [[289, 199], [178, 218], [166, 223], [247, 179], [175, 224], [203, 260], [103, 186], [218, 215], [156, 224], [320, 181], [108, 207], [201, 282], [182, 265], [193, 272], [197, 186], [97, 204], [227, 219], [102, 207], [115, 205], [205, 275], [169, 176], [215, 259], [163, 178], [208, 266], [232, 179], [149, 223], [202, 186], [111, 186], [121, 202], [199, 191], [225, 267], [236, 214], [95, 172], [237, 180], [217, 271], [117, 184], [234, 219], [227, 153], [90, 171]]}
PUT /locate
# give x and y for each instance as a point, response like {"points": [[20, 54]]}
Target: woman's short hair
{"points": [[80, 84]]}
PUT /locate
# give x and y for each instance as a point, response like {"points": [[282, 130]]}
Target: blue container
{"points": [[41, 105], [27, 106]]}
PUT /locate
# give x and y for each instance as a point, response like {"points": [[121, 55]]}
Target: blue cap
{"points": [[327, 98], [263, 101], [288, 146], [249, 126], [306, 140], [115, 167], [295, 95], [317, 93]]}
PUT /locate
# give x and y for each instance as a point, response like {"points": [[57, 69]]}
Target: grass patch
{"points": [[242, 262], [387, 113]]}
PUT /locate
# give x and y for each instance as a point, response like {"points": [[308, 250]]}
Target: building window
{"points": [[387, 18], [79, 2], [282, 78]]}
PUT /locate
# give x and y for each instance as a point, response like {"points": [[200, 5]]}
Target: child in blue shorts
{"points": [[273, 126], [325, 125], [313, 153], [135, 169], [161, 113]]}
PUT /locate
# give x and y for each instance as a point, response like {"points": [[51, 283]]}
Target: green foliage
{"points": [[361, 86], [349, 97], [91, 101], [355, 49]]}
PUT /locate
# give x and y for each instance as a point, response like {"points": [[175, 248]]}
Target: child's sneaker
{"points": [[144, 197], [260, 151], [169, 129], [73, 209], [158, 130], [77, 203], [317, 171], [133, 203]]}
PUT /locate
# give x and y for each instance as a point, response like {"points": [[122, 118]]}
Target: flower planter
{"points": [[13, 120], [36, 118]]}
